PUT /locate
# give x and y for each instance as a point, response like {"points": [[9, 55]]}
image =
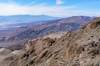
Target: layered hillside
{"points": [[77, 48], [60, 25], [17, 36]]}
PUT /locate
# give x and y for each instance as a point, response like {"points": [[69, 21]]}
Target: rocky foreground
{"points": [[78, 48]]}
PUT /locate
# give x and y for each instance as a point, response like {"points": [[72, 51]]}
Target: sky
{"points": [[58, 8]]}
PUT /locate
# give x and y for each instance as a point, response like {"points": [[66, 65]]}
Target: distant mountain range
{"points": [[17, 19], [27, 31]]}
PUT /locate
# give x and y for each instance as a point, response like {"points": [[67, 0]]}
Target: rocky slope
{"points": [[80, 48], [77, 48]]}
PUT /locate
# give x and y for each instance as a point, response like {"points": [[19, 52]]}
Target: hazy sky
{"points": [[50, 7]]}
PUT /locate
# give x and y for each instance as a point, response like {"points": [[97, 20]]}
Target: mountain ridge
{"points": [[32, 31], [58, 25]]}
